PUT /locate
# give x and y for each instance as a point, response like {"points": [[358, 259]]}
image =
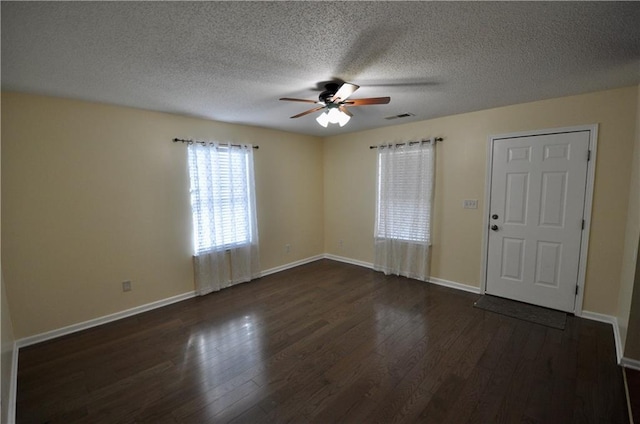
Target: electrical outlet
{"points": [[287, 248], [340, 244], [126, 286], [470, 204]]}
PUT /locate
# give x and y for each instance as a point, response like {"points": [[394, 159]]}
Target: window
{"points": [[222, 200], [404, 193]]}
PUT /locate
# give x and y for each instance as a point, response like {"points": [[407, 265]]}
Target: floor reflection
{"points": [[224, 348], [389, 313]]}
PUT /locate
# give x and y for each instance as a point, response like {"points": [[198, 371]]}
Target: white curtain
{"points": [[403, 210], [224, 215]]}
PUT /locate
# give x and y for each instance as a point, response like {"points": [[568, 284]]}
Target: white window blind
{"points": [[221, 199], [404, 195]]}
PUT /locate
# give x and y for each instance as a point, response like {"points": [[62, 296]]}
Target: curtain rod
{"points": [[410, 143], [204, 143]]}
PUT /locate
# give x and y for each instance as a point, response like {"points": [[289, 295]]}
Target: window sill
{"points": [[399, 240], [226, 248]]}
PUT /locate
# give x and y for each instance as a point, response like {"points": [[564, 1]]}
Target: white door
{"points": [[536, 218]]}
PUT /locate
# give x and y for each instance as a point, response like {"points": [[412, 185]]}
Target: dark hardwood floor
{"points": [[325, 342]]}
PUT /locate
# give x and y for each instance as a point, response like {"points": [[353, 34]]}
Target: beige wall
{"points": [[629, 297], [7, 344], [460, 174], [96, 194]]}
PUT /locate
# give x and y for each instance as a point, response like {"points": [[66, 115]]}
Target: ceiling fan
{"points": [[334, 103]]}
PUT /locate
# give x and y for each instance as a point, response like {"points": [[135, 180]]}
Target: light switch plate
{"points": [[470, 204]]}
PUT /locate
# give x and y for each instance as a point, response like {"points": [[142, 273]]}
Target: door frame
{"points": [[588, 202]]}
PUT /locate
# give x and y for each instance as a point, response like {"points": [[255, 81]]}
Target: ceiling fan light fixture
{"points": [[323, 119], [343, 119], [334, 115], [333, 101]]}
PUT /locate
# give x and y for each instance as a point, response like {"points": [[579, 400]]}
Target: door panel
{"points": [[548, 263], [537, 196], [516, 198], [553, 199], [512, 258]]}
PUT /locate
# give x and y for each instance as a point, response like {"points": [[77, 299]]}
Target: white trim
{"points": [[609, 319], [588, 206], [454, 285], [485, 217], [634, 364], [595, 316], [432, 280], [348, 260], [626, 393], [28, 341], [588, 202], [13, 386], [290, 265]]}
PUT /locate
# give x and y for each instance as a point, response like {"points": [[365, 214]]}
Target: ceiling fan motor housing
{"points": [[333, 102], [331, 90]]}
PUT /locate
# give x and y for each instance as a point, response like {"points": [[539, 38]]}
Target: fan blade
{"points": [[344, 110], [315, 109], [369, 101], [289, 99], [344, 91]]}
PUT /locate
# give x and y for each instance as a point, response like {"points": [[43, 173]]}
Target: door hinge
{"points": [[588, 155], [583, 224], [577, 287]]}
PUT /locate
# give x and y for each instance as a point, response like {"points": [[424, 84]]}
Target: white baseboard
{"points": [[454, 285], [28, 341], [31, 340], [626, 394], [348, 260], [13, 386], [609, 319], [594, 316], [634, 364], [433, 280], [290, 265], [38, 338]]}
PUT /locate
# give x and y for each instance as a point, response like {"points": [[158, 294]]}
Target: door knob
{"points": [[494, 227]]}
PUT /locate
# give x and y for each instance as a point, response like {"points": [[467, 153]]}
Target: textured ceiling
{"points": [[231, 61]]}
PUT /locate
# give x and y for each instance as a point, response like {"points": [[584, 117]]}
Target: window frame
{"points": [[397, 233], [228, 201]]}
